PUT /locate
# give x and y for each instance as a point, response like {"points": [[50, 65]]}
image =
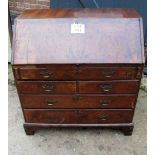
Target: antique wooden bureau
{"points": [[78, 68]]}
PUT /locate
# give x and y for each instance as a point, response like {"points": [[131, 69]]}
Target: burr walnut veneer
{"points": [[88, 78]]}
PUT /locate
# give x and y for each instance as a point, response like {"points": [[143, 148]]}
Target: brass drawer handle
{"points": [[48, 88], [103, 118], [108, 74], [106, 87], [104, 102], [50, 103], [46, 74]]}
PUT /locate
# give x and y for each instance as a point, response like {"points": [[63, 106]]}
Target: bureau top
{"points": [[67, 36], [79, 13]]}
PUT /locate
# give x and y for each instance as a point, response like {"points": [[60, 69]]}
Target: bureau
{"points": [[78, 67]]}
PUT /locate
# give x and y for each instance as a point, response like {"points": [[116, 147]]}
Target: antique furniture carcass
{"points": [[78, 67]]}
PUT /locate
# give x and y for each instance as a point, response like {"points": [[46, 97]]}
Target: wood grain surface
{"points": [[107, 39], [78, 116], [77, 101]]}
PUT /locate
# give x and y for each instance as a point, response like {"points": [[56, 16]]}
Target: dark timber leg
{"points": [[29, 130], [127, 130]]}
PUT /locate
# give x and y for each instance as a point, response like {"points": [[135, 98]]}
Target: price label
{"points": [[77, 28]]}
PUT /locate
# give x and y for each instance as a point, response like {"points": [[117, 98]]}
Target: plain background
{"points": [[4, 77]]}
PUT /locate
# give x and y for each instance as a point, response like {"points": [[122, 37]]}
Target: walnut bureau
{"points": [[78, 67]]}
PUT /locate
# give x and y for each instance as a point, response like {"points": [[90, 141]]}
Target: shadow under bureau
{"points": [[78, 67]]}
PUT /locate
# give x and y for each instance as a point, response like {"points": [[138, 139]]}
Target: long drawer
{"points": [[41, 87], [78, 116], [74, 72], [77, 101]]}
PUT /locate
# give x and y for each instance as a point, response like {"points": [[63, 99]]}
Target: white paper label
{"points": [[77, 28]]}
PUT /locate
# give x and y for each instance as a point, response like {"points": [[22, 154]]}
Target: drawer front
{"points": [[108, 73], [47, 101], [46, 72], [100, 87], [77, 101], [72, 72], [50, 116], [105, 102], [46, 87], [78, 116]]}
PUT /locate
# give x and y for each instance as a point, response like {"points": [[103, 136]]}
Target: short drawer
{"points": [[45, 72], [78, 116], [48, 101], [77, 101], [108, 87], [108, 73], [46, 87], [106, 101]]}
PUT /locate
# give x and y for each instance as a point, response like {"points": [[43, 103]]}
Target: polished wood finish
{"points": [[91, 87], [53, 43], [76, 72], [43, 87], [78, 101], [78, 116], [47, 72], [79, 13], [78, 80], [126, 128], [108, 73], [108, 87]]}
